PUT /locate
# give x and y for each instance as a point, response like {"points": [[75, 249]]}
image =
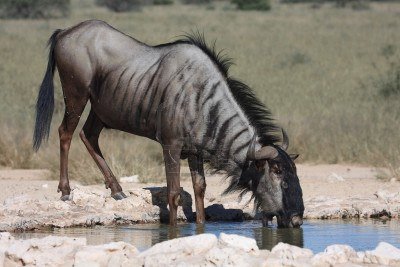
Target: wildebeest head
{"points": [[271, 176]]}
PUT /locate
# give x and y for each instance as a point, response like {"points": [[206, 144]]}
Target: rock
{"points": [[21, 199], [178, 251], [111, 254], [387, 196], [292, 255], [48, 251], [200, 250], [89, 206], [334, 177], [191, 245], [376, 206], [245, 244], [229, 256], [130, 179], [385, 254], [5, 241], [334, 254], [87, 197]]}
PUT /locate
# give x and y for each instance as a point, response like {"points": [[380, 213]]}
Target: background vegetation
{"points": [[34, 8], [329, 75]]}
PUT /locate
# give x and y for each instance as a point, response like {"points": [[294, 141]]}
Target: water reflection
{"points": [[315, 235], [268, 237]]}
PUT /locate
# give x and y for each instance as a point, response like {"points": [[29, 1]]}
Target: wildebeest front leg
{"points": [[199, 185], [90, 137], [172, 155]]}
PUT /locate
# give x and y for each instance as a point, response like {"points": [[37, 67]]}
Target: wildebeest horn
{"points": [[266, 152], [285, 142]]}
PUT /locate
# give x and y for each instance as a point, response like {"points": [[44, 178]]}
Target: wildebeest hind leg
{"points": [[90, 137], [199, 185], [73, 110]]}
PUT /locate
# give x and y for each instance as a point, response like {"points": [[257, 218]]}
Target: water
{"points": [[315, 235]]}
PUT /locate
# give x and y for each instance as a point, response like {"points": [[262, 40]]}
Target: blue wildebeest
{"points": [[178, 94]]}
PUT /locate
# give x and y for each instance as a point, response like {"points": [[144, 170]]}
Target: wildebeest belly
{"points": [[122, 113]]}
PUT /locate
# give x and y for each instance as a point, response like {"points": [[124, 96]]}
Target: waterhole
{"points": [[314, 234]]}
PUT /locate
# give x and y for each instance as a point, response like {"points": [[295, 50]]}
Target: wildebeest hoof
{"points": [[119, 196], [64, 197]]}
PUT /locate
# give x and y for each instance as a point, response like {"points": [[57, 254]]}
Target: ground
{"points": [[333, 181]]}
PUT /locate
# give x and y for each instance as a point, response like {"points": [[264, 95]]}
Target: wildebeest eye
{"points": [[284, 184], [276, 170]]}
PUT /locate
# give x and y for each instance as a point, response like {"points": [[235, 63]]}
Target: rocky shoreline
{"points": [[32, 203], [198, 250], [89, 206]]}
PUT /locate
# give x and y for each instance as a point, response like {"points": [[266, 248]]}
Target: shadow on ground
{"points": [[214, 212]]}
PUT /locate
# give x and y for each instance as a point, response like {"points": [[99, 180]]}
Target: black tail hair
{"points": [[45, 99]]}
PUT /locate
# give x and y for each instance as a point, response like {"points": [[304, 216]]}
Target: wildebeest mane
{"points": [[255, 110], [258, 114]]}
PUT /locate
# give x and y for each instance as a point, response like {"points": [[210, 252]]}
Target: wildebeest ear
{"points": [[294, 156]]}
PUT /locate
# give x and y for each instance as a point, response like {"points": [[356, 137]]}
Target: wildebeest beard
{"points": [[243, 178]]}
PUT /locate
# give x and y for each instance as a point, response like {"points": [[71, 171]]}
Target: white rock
{"points": [[272, 261], [21, 199], [5, 241], [384, 253], [5, 238], [284, 250], [141, 194], [87, 197], [387, 196], [334, 254], [229, 256], [191, 245], [185, 251], [245, 244], [334, 177], [48, 251], [292, 255], [111, 254], [129, 179]]}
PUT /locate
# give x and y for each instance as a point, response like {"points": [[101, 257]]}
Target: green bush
{"points": [[34, 8], [121, 5], [388, 84], [252, 4]]}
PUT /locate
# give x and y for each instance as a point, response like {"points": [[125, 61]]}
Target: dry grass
{"points": [[314, 68]]}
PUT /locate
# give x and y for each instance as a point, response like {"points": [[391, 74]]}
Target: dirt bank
{"points": [[29, 199]]}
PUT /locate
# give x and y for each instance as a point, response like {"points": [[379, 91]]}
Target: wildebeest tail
{"points": [[45, 99]]}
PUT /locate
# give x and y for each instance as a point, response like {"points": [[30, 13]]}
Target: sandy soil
{"points": [[338, 181]]}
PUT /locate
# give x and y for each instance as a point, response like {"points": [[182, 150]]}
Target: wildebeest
{"points": [[178, 94]]}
